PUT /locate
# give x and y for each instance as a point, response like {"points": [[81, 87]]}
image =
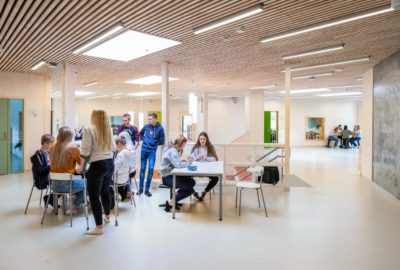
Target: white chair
{"points": [[30, 195], [120, 179], [257, 173], [56, 177]]}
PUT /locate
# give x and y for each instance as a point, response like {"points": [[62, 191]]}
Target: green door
{"points": [[4, 153], [270, 127]]}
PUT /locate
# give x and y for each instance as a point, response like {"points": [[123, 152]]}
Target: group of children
{"points": [[345, 137], [64, 156]]}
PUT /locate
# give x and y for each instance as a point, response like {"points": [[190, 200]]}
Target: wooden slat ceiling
{"points": [[51, 30]]}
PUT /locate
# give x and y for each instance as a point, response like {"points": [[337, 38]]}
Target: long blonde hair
{"points": [[178, 143], [59, 152], [102, 130]]}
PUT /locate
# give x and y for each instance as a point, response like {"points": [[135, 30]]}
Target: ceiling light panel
{"points": [[130, 45], [340, 94], [313, 76], [149, 80], [263, 87], [304, 91], [312, 52], [143, 94], [362, 59]]}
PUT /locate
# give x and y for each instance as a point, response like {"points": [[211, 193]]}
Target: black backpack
{"points": [[40, 176], [270, 176]]}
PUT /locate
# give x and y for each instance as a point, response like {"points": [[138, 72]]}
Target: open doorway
{"points": [[270, 126], [11, 135]]}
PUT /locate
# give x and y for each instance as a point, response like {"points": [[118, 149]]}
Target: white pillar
{"points": [[165, 98], [68, 95], [255, 116], [286, 180]]}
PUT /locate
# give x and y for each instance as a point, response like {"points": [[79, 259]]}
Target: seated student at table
{"points": [[124, 165], [204, 151], [346, 134], [170, 160], [64, 158], [333, 136], [355, 141]]}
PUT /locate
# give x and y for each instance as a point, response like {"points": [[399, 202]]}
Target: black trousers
{"points": [[184, 184], [99, 178], [212, 183]]}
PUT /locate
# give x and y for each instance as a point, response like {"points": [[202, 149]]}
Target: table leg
{"points": [[220, 197], [173, 196]]}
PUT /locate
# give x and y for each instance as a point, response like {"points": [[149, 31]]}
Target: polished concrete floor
{"points": [[343, 222]]}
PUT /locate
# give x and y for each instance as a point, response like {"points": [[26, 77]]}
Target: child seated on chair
{"points": [[64, 158], [41, 165], [124, 168]]}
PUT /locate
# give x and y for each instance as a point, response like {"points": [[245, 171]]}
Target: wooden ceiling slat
{"points": [[6, 14], [17, 21], [15, 12]]}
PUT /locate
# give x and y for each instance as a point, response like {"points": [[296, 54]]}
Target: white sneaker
{"points": [[95, 231], [107, 219]]}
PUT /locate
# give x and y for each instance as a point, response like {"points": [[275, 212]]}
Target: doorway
{"points": [[11, 135], [271, 127]]}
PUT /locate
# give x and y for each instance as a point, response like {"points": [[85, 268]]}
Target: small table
{"points": [[204, 169]]}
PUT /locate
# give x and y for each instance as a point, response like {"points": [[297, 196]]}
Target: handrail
{"points": [[268, 145]]}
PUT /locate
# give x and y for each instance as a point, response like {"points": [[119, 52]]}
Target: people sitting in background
{"points": [[171, 160], [355, 140], [124, 166], [41, 165], [333, 136], [132, 130], [65, 157], [346, 134], [339, 130], [204, 151]]}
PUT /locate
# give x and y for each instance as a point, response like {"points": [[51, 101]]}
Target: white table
{"points": [[204, 169]]}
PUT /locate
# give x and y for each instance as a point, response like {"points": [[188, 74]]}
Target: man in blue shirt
{"points": [[152, 135]]}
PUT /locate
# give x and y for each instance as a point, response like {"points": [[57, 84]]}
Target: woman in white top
{"points": [[97, 149], [204, 151]]}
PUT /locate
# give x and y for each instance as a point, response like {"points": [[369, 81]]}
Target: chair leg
{"points": [[116, 204], [136, 184], [41, 193], [240, 201], [236, 201], [70, 209], [30, 195], [45, 208], [265, 208], [132, 196], [258, 197]]}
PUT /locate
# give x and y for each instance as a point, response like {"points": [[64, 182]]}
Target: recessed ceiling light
{"points": [[116, 97], [263, 87], [230, 18], [143, 94], [361, 59], [359, 79], [310, 90], [91, 83], [100, 38], [38, 64], [312, 52], [118, 94], [130, 45], [329, 23], [96, 97], [340, 94], [313, 75], [149, 80], [83, 93], [212, 94], [345, 86]]}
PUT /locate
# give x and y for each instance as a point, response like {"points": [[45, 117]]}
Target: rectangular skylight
{"points": [[130, 45], [149, 80], [143, 94]]}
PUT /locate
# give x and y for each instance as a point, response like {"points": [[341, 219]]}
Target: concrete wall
{"points": [[366, 124], [35, 91], [386, 121]]}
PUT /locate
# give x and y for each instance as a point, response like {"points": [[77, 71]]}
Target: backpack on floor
{"points": [[270, 176]]}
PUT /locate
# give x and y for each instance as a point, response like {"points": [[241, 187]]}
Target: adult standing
{"points": [[97, 149], [152, 135], [130, 129]]}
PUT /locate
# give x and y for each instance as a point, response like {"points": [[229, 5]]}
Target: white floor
{"points": [[343, 222]]}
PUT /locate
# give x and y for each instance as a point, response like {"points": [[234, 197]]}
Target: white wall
{"points": [[336, 112], [35, 90], [366, 121]]}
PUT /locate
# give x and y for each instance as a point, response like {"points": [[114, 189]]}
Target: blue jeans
{"points": [[354, 140], [77, 188], [151, 156]]}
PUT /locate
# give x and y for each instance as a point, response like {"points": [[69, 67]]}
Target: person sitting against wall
{"points": [[170, 160], [333, 136], [346, 134], [355, 141], [204, 151], [64, 158]]}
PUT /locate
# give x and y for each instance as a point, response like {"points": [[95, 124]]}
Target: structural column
{"points": [[165, 98], [254, 106], [68, 95], [203, 113], [286, 180]]}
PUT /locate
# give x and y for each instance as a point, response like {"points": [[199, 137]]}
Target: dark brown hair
{"points": [[210, 148]]}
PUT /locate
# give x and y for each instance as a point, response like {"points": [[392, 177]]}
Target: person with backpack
{"points": [[41, 165], [204, 151], [130, 129]]}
